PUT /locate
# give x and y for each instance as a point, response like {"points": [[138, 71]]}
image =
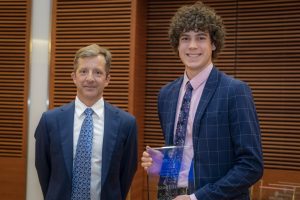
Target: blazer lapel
{"points": [[208, 91], [172, 94], [111, 125], [65, 122]]}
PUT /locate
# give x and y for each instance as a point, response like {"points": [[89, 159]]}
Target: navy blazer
{"points": [[54, 152], [226, 136]]}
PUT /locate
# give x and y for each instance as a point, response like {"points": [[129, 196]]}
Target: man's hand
{"points": [[152, 160], [183, 197], [146, 160]]}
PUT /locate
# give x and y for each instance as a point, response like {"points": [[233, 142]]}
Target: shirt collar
{"points": [[200, 78], [97, 107]]}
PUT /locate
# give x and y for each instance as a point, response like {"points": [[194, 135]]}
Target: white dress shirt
{"points": [[98, 122]]}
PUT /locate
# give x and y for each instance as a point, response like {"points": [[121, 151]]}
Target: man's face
{"points": [[90, 79], [195, 50]]}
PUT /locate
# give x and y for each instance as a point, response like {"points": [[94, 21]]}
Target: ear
{"points": [[213, 47], [73, 75], [107, 80]]}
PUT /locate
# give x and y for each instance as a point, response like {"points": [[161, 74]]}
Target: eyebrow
{"points": [[198, 34]]}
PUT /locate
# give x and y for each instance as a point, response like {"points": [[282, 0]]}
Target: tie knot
{"points": [[189, 86], [88, 112]]}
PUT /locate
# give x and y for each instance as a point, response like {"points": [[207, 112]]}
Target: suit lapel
{"points": [[208, 91], [65, 122], [172, 94], [111, 125]]}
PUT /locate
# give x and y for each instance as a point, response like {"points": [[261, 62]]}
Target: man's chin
{"points": [[91, 98], [90, 92]]}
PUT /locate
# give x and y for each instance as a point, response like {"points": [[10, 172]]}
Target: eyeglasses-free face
{"points": [[90, 79], [195, 51]]}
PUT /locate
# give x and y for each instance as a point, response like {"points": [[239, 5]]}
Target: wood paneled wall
{"points": [[15, 18], [262, 48], [80, 23], [267, 57]]}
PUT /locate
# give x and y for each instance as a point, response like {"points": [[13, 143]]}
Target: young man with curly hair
{"points": [[222, 125]]}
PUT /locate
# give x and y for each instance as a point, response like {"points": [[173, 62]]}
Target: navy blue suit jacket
{"points": [[54, 152], [226, 136]]}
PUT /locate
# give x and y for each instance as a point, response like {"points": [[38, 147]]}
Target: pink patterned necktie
{"points": [[81, 182]]}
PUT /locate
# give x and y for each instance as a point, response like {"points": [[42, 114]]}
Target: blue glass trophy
{"points": [[169, 175]]}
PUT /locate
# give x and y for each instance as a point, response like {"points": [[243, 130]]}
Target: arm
{"points": [[129, 159], [244, 131], [42, 157]]}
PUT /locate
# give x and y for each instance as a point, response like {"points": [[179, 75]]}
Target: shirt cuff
{"points": [[193, 197]]}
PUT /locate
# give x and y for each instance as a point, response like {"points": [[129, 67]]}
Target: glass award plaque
{"points": [[277, 193], [169, 175]]}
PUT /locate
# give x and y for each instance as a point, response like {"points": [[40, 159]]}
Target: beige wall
{"points": [[38, 91]]}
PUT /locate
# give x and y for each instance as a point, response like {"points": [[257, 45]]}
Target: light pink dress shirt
{"points": [[198, 83]]}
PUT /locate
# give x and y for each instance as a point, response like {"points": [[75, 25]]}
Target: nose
{"points": [[90, 76], [193, 44]]}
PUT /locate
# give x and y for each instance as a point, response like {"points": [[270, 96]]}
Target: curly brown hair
{"points": [[197, 17]]}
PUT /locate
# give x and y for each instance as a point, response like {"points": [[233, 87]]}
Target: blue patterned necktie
{"points": [[183, 116], [81, 183], [172, 160]]}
